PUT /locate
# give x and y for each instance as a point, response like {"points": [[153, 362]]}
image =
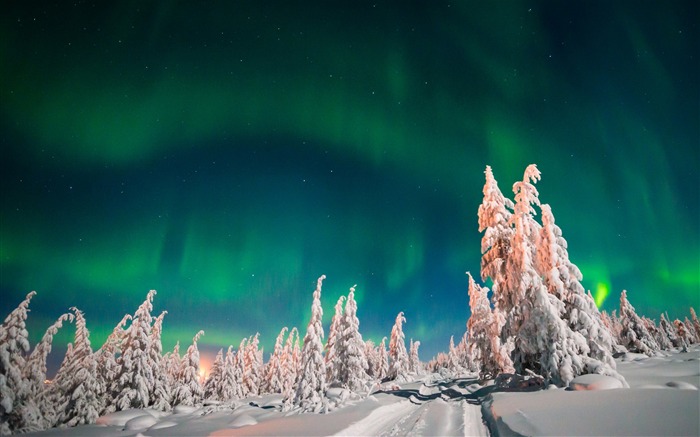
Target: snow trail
{"points": [[380, 419]]}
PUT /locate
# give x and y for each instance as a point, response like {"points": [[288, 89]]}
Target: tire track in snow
{"points": [[473, 421], [380, 420]]}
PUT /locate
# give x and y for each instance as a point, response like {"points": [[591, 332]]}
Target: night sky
{"points": [[227, 154]]}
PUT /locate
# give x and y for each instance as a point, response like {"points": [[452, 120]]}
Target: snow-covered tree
{"points": [[484, 327], [274, 371], [334, 334], [666, 337], [172, 362], [160, 389], [228, 386], [683, 335], [14, 347], [78, 397], [214, 383], [290, 364], [107, 366], [188, 390], [398, 357], [134, 381], [311, 390], [253, 366], [696, 324], [414, 364], [240, 370], [382, 370], [352, 363], [634, 334]]}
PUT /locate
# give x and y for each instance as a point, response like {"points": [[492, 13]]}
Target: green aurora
{"points": [[228, 155]]}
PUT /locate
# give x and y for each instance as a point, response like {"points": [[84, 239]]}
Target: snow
{"points": [[662, 400]]}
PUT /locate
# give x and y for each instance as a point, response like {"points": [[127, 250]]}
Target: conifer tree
{"points": [[311, 390], [696, 324], [79, 395], [683, 335], [383, 368], [160, 389], [240, 370], [667, 337], [634, 334], [107, 366], [253, 366], [274, 374], [14, 347], [228, 387], [214, 383], [173, 362], [352, 368], [398, 357], [415, 366], [134, 381], [188, 390], [334, 334], [484, 326]]}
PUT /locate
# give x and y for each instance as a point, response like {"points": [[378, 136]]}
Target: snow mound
{"points": [[184, 409], [681, 385], [594, 382], [163, 424], [120, 418], [242, 420], [140, 422]]}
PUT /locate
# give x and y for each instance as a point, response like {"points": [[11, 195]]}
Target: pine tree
{"points": [[352, 368], [414, 364], [228, 387], [334, 333], [160, 389], [214, 382], [240, 370], [696, 323], [107, 366], [383, 368], [172, 362], [634, 334], [683, 335], [134, 381], [35, 411], [398, 357], [484, 335], [188, 390], [290, 365], [311, 390], [14, 346], [79, 396], [253, 366], [274, 373], [667, 338]]}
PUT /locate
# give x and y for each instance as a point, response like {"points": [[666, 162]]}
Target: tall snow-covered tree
{"points": [[134, 381], [188, 390], [398, 357], [160, 389], [253, 366], [352, 369], [484, 327], [226, 391], [214, 382], [634, 334], [79, 397], [290, 365], [243, 389], [311, 390], [334, 334], [562, 279], [14, 347], [107, 366]]}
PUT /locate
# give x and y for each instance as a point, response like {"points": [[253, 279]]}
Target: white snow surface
{"points": [[663, 399]]}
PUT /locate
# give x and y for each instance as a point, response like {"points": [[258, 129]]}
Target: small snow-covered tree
{"points": [[134, 381], [107, 366], [696, 324], [274, 371], [484, 328], [414, 364], [226, 391], [398, 357], [253, 366], [290, 365], [240, 370], [634, 334], [14, 346], [79, 397], [172, 362], [311, 390], [683, 335], [382, 370], [188, 390], [666, 334], [334, 334], [214, 382], [352, 368]]}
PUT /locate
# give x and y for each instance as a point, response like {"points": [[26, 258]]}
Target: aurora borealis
{"points": [[228, 154]]}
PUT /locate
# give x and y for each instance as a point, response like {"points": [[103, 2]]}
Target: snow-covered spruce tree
{"points": [[453, 360], [543, 342], [226, 391], [76, 390], [683, 335], [414, 364], [239, 370], [495, 214], [398, 357], [188, 390], [160, 389], [172, 362], [562, 279], [14, 346], [696, 323], [484, 344], [35, 411], [289, 365], [382, 370], [134, 381], [666, 336], [274, 372], [634, 334], [334, 333], [311, 390], [352, 369], [214, 381], [253, 366], [693, 334], [107, 366]]}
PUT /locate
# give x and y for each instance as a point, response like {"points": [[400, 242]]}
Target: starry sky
{"points": [[228, 154]]}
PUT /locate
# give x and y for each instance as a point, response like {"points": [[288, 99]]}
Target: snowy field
{"points": [[663, 399]]}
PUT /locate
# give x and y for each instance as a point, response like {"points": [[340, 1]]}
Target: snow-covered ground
{"points": [[663, 399]]}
